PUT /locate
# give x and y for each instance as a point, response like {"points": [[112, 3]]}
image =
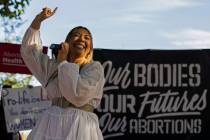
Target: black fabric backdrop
{"points": [[156, 94]]}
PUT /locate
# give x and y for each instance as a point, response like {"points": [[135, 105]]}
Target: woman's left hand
{"points": [[63, 52]]}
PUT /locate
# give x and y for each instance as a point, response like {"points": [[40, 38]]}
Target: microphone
{"points": [[55, 48]]}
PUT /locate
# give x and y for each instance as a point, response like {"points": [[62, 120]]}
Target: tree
{"points": [[15, 80], [13, 8], [10, 28], [11, 11]]}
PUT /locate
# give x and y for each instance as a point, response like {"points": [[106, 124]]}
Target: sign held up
{"points": [[22, 107]]}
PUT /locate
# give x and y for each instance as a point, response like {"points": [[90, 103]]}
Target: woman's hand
{"points": [[63, 52], [46, 13]]}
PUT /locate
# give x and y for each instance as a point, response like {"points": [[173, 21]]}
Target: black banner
{"points": [[155, 94]]}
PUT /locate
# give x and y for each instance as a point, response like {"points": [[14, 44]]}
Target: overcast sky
{"points": [[128, 24]]}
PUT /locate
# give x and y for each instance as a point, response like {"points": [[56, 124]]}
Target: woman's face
{"points": [[80, 43]]}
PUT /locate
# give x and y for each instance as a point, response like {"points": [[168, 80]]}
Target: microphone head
{"points": [[55, 48]]}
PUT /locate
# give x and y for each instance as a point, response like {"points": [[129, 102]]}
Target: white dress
{"points": [[80, 87]]}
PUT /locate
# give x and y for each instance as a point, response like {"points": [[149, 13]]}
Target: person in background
{"points": [[73, 81]]}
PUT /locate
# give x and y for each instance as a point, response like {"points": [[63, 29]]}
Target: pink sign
{"points": [[11, 60]]}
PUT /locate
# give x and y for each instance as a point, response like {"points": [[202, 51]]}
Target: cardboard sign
{"points": [[23, 106]]}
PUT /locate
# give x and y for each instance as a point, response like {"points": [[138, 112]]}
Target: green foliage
{"points": [[11, 29], [15, 80], [13, 8], [10, 21]]}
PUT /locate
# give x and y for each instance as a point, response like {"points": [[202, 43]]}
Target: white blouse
{"points": [[80, 87]]}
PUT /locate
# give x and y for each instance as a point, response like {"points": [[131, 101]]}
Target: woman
{"points": [[73, 81]]}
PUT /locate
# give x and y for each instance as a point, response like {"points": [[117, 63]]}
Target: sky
{"points": [[128, 24]]}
